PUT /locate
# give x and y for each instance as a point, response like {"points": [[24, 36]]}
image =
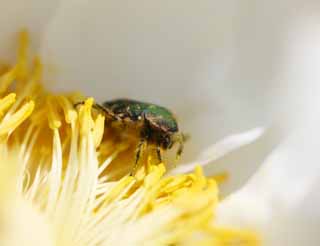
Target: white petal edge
{"points": [[281, 198], [222, 148]]}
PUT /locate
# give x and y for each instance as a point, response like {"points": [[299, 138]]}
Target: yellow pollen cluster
{"points": [[76, 175]]}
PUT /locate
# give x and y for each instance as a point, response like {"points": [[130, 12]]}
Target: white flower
{"points": [[220, 66]]}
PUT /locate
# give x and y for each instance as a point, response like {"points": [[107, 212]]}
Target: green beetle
{"points": [[156, 124]]}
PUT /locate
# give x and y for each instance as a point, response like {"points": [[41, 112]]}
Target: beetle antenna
{"points": [[158, 149], [107, 112], [78, 103], [138, 153]]}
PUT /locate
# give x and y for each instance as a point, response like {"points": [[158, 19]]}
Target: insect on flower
{"points": [[154, 124]]}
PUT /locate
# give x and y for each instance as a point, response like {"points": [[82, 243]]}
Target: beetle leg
{"points": [[159, 153], [179, 151], [139, 150], [181, 139], [78, 103], [138, 153]]}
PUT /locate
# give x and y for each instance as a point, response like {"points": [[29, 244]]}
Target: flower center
{"points": [[75, 173]]}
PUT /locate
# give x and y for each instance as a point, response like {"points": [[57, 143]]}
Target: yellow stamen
{"points": [[225, 236], [6, 102], [119, 187], [68, 109], [16, 119], [7, 79], [85, 117], [22, 70], [53, 115], [221, 177], [98, 130]]}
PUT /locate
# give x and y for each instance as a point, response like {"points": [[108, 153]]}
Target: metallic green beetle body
{"points": [[158, 124], [155, 124], [136, 110]]}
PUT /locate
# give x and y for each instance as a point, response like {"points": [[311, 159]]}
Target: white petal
{"points": [[241, 163], [282, 199], [221, 149]]}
